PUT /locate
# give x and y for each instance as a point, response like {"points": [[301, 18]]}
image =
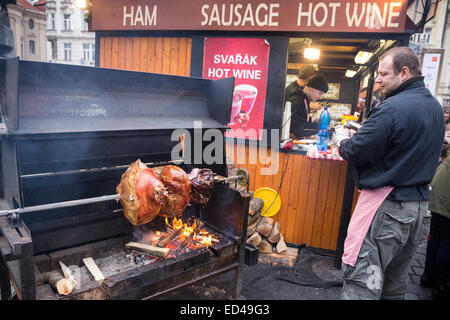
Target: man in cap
{"points": [[395, 155], [301, 100], [304, 74]]}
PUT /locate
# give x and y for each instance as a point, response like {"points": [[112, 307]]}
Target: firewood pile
{"points": [[265, 233]]}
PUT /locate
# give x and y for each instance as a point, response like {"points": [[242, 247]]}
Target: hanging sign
{"points": [[251, 15], [431, 64], [247, 60]]}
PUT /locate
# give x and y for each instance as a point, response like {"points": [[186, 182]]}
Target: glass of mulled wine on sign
{"points": [[248, 94], [236, 106]]}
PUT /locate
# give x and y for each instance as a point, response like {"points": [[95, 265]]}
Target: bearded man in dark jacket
{"points": [[395, 155]]}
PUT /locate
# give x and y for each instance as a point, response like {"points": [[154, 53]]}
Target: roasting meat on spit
{"points": [[142, 194], [202, 182], [166, 191], [178, 187]]}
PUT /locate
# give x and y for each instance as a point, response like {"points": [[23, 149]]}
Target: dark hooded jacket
{"points": [[399, 144]]}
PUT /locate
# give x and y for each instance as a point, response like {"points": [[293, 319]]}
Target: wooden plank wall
{"points": [[311, 193], [148, 54]]}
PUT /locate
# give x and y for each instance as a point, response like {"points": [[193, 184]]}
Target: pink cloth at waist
{"points": [[368, 203]]}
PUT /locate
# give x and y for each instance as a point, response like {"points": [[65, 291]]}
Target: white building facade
{"points": [[28, 25], [69, 40], [436, 35]]}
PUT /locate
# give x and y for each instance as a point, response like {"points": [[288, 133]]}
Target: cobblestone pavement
{"points": [[415, 290]]}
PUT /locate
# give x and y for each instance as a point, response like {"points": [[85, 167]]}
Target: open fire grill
{"points": [[70, 133]]}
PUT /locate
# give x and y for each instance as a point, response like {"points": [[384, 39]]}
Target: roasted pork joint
{"points": [[141, 193], [178, 187], [202, 182]]}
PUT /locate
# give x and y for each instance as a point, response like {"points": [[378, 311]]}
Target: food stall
{"points": [[261, 44]]}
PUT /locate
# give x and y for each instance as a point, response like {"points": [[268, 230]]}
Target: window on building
{"points": [[86, 51], [93, 51], [52, 22], [85, 25], [53, 48], [427, 35], [67, 51], [32, 47], [67, 22]]}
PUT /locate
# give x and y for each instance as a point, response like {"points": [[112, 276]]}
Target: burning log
{"points": [[177, 227], [164, 241], [186, 241], [154, 251]]}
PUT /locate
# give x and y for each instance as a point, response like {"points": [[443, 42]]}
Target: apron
{"points": [[368, 203]]}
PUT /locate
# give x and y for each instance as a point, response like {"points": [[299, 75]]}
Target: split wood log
{"points": [[255, 239], [154, 251], [164, 241], [94, 270], [265, 246], [287, 258], [251, 228], [265, 226], [275, 233], [256, 204], [253, 218], [57, 281], [65, 287], [281, 245]]}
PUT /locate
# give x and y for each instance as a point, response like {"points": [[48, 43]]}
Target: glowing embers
{"points": [[156, 237]]}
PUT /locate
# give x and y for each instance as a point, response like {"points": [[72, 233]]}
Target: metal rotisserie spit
{"points": [[69, 135]]}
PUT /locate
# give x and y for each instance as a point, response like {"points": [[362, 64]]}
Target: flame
{"points": [[176, 223], [206, 241], [156, 236], [203, 238], [187, 230]]}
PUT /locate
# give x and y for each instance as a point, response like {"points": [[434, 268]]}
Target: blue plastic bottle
{"points": [[322, 136]]}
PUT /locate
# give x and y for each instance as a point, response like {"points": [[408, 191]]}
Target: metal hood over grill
{"points": [[56, 98]]}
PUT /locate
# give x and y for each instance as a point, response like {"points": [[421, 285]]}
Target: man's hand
{"points": [[350, 132], [341, 134]]}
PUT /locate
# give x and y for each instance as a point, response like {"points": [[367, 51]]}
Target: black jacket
{"points": [[399, 144], [299, 113]]}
